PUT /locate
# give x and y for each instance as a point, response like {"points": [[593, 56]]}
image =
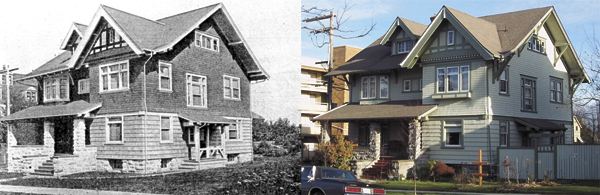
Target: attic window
{"points": [[450, 38], [207, 42], [537, 44], [404, 47], [108, 39]]}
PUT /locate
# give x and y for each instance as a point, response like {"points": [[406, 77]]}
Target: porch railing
{"points": [[212, 152]]}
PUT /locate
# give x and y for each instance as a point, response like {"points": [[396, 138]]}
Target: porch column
{"points": [[197, 141], [78, 136], [48, 138], [207, 141], [11, 140], [414, 139], [375, 141]]}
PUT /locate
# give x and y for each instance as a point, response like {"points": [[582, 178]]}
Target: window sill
{"points": [[530, 111], [234, 140], [453, 95], [504, 94], [452, 147], [556, 102], [412, 91], [113, 91], [56, 100], [165, 90], [198, 107], [83, 92], [234, 99], [114, 143]]}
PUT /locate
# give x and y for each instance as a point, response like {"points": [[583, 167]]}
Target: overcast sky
{"points": [[33, 31], [579, 17]]}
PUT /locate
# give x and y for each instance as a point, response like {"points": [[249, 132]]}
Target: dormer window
{"points": [[404, 47], [537, 44], [56, 89], [108, 39]]}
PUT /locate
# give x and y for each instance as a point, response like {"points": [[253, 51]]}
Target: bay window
{"points": [[56, 89]]}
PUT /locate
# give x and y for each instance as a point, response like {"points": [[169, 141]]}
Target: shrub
{"points": [[337, 153], [442, 170], [463, 176], [267, 149], [280, 131], [434, 169], [425, 171]]}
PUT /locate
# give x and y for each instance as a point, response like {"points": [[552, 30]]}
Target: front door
{"points": [[63, 135], [189, 139]]}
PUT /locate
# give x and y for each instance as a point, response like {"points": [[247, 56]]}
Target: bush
{"points": [[434, 169], [267, 149], [281, 132], [337, 153], [443, 171]]}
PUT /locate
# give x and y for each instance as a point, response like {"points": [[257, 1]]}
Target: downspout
{"points": [[487, 113], [145, 105]]}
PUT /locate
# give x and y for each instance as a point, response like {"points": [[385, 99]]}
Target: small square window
{"points": [[450, 37], [164, 163], [116, 164], [83, 86]]}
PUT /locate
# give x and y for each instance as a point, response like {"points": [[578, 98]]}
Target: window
{"points": [[29, 95], [114, 76], [528, 94], [453, 79], [420, 84], [537, 44], [453, 133], [504, 133], [405, 46], [165, 75], [165, 162], [450, 39], [165, 129], [234, 131], [363, 135], [116, 164], [114, 129], [83, 86], [196, 90], [231, 87], [383, 87], [406, 85], [107, 39], [556, 90], [207, 42], [504, 82], [56, 89], [369, 87]]}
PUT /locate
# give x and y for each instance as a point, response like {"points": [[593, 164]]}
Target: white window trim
{"points": [[83, 82], [170, 140], [503, 134], [199, 40], [461, 132], [120, 87], [203, 87], [460, 83], [420, 84], [107, 129], [170, 76], [388, 86], [57, 89], [404, 49], [505, 79], [448, 37], [231, 80], [238, 131], [409, 85], [368, 87]]}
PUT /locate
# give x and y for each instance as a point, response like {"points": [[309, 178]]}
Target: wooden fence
{"points": [[556, 162]]}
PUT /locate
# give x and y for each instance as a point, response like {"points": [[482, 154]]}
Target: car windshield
{"points": [[306, 172], [337, 174]]}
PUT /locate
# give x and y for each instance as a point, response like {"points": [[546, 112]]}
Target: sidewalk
{"points": [[43, 190], [440, 192]]}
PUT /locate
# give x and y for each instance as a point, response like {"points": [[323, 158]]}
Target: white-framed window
{"points": [[83, 86], [114, 76], [450, 39], [504, 133], [29, 95], [56, 89], [114, 129], [10, 79], [528, 95], [453, 79], [165, 75], [196, 90], [166, 129], [453, 134], [405, 46], [556, 90], [108, 38], [537, 44], [383, 87], [234, 131], [207, 42], [231, 87], [369, 87], [407, 85], [420, 84], [504, 82]]}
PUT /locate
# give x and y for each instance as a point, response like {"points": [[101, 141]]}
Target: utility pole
{"points": [[7, 70]]}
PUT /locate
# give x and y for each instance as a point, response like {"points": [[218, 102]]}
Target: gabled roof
{"points": [[56, 64], [75, 28], [413, 28], [149, 36], [44, 111], [374, 57]]}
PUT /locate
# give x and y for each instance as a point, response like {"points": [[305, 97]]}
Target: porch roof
{"points": [[199, 117], [44, 111], [540, 124], [387, 110]]}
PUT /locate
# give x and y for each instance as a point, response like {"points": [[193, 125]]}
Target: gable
{"points": [[407, 29], [106, 38], [438, 47]]}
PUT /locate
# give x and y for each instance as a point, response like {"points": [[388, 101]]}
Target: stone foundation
{"points": [[245, 157], [403, 167], [137, 166], [24, 159]]}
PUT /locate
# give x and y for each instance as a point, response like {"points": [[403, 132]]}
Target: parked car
{"points": [[328, 181]]}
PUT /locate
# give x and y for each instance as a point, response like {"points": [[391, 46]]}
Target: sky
{"points": [[579, 18], [33, 31]]}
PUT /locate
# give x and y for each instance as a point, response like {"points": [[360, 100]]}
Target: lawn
{"points": [[265, 175], [581, 187]]}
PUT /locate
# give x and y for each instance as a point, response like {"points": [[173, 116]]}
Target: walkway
{"points": [[43, 190]]}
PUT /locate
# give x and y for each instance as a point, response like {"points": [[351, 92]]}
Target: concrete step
{"points": [[45, 167]]}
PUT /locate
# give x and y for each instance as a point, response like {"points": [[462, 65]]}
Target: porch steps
{"points": [[379, 170], [189, 165], [47, 169]]}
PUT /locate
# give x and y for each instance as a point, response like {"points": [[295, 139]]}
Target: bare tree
{"points": [[587, 99]]}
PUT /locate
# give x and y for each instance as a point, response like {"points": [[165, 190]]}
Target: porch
{"points": [[205, 141]]}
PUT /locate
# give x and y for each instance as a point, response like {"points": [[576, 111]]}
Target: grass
{"points": [[265, 175], [7, 175], [582, 187]]}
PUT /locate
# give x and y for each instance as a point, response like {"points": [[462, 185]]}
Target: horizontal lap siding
{"points": [[245, 145], [133, 139]]}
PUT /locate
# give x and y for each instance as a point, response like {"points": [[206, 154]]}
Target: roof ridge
{"points": [[512, 12], [186, 12], [455, 10], [106, 6]]}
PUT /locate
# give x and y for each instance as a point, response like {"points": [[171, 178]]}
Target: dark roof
{"points": [[374, 57], [416, 28], [485, 32], [386, 110], [57, 63], [80, 27], [202, 117], [540, 124], [44, 111], [146, 33]]}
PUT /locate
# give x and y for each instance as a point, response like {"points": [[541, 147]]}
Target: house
{"points": [[460, 84], [26, 88], [137, 95]]}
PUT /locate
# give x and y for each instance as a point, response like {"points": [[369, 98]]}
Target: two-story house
{"points": [[25, 89], [461, 84], [138, 95]]}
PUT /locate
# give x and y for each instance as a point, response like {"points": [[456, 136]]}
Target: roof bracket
{"points": [[562, 51]]}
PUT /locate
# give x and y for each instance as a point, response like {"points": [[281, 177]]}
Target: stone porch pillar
{"points": [[78, 136], [414, 139], [48, 138], [11, 141], [197, 142], [375, 140]]}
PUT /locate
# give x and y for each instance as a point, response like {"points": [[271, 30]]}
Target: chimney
{"points": [[432, 17]]}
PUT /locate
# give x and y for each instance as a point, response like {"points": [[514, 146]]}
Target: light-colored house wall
{"points": [[396, 83]]}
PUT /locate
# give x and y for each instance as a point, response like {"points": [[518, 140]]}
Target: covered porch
{"points": [[540, 133], [205, 140]]}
